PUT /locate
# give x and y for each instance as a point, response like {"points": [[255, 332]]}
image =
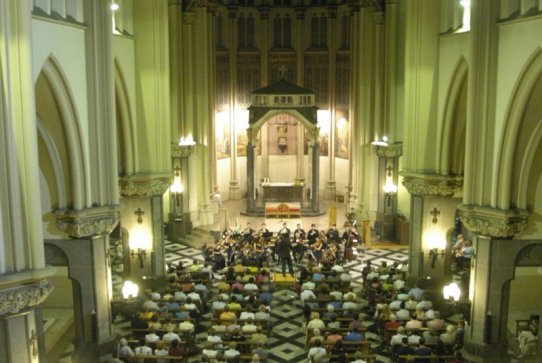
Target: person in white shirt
{"points": [[250, 285], [316, 353], [262, 313], [414, 339], [161, 351], [124, 350], [179, 296], [413, 323], [337, 268], [249, 327], [358, 358], [170, 336], [231, 352], [337, 295], [186, 326], [209, 350], [152, 337], [194, 296], [214, 338], [142, 349], [155, 295], [398, 338], [306, 294], [245, 315], [219, 304], [315, 322], [308, 285]]}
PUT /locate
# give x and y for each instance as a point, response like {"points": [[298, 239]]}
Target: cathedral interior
{"points": [[133, 133]]}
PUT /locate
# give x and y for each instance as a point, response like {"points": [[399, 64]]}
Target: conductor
{"points": [[283, 250]]}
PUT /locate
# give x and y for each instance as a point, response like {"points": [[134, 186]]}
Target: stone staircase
{"points": [[198, 237]]}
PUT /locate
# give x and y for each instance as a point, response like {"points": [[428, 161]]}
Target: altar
{"points": [[282, 192]]}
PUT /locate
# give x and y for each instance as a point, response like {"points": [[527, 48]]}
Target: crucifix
{"points": [[389, 169], [434, 212], [34, 343], [282, 71], [139, 212]]}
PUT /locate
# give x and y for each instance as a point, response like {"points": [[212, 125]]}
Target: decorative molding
{"points": [[181, 151], [88, 222], [493, 222], [144, 185], [434, 185], [14, 299], [390, 151]]}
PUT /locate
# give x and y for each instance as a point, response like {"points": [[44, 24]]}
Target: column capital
{"points": [[390, 151], [15, 299], [493, 222], [144, 185], [432, 185], [88, 222]]}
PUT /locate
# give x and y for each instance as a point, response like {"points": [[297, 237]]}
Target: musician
{"points": [[283, 250], [285, 231], [318, 249], [351, 243], [263, 232], [248, 233], [312, 234], [228, 232], [332, 234], [299, 233]]}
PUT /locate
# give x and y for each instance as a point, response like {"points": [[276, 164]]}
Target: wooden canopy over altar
{"points": [[283, 98]]}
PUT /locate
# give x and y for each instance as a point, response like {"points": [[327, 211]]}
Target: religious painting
{"points": [[282, 132], [342, 140], [241, 126], [222, 135], [324, 122]]}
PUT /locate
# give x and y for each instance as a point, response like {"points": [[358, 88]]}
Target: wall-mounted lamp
{"points": [[139, 213], [390, 192], [129, 290], [451, 292], [436, 245], [176, 189], [433, 253], [140, 242]]}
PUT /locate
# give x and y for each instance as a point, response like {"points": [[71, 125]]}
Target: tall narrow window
{"points": [[219, 31], [345, 32], [277, 32], [287, 32], [250, 32], [241, 32]]}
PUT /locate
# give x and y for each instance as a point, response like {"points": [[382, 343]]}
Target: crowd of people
{"points": [[235, 284]]}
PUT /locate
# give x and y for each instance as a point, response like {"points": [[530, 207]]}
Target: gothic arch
{"points": [[51, 156], [521, 137], [66, 130], [263, 119], [127, 157], [452, 138]]}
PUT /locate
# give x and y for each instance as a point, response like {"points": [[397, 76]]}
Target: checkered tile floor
{"points": [[287, 341]]}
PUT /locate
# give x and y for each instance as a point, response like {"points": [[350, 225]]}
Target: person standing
{"points": [[283, 250]]}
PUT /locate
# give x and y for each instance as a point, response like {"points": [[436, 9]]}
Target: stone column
{"points": [[88, 265], [251, 203], [235, 192], [22, 261], [299, 175], [315, 205], [388, 165], [331, 185], [492, 269], [143, 193], [21, 327], [432, 215]]}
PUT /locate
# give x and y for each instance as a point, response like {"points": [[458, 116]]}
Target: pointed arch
{"points": [[125, 132], [257, 125], [453, 133], [64, 126], [521, 136], [54, 161]]}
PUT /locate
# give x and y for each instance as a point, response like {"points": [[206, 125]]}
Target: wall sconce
{"points": [[129, 290], [140, 242], [436, 245], [176, 189], [433, 253], [451, 292], [390, 192]]}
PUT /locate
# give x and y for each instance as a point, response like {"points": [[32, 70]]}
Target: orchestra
{"points": [[260, 248]]}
